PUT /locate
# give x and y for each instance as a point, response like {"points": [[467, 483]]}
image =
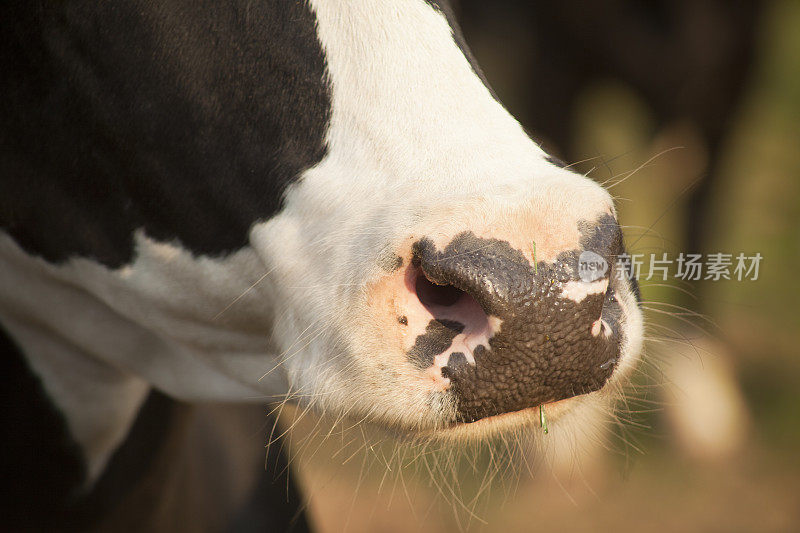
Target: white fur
{"points": [[98, 338]]}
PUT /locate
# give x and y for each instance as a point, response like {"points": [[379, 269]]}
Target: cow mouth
{"points": [[486, 427], [556, 406]]}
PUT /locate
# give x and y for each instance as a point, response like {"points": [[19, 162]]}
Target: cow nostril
{"points": [[430, 294]]}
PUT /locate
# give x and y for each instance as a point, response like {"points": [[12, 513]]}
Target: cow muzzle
{"points": [[500, 331]]}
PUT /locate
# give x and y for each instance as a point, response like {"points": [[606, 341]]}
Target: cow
{"points": [[318, 202]]}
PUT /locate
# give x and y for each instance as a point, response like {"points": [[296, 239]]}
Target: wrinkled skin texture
{"points": [[544, 350]]}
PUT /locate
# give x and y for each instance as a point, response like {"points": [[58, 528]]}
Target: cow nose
{"points": [[540, 331]]}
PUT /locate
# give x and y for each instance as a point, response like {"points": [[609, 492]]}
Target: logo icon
{"points": [[591, 266]]}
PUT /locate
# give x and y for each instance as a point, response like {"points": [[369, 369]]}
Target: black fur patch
{"points": [[438, 337], [41, 466], [544, 350], [186, 120], [42, 470]]}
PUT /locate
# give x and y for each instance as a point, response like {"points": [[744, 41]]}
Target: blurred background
{"points": [[689, 111]]}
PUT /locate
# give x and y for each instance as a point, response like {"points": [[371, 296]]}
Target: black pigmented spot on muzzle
{"points": [[438, 337]]}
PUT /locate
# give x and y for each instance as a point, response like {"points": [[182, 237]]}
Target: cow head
{"points": [[322, 203], [428, 270]]}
